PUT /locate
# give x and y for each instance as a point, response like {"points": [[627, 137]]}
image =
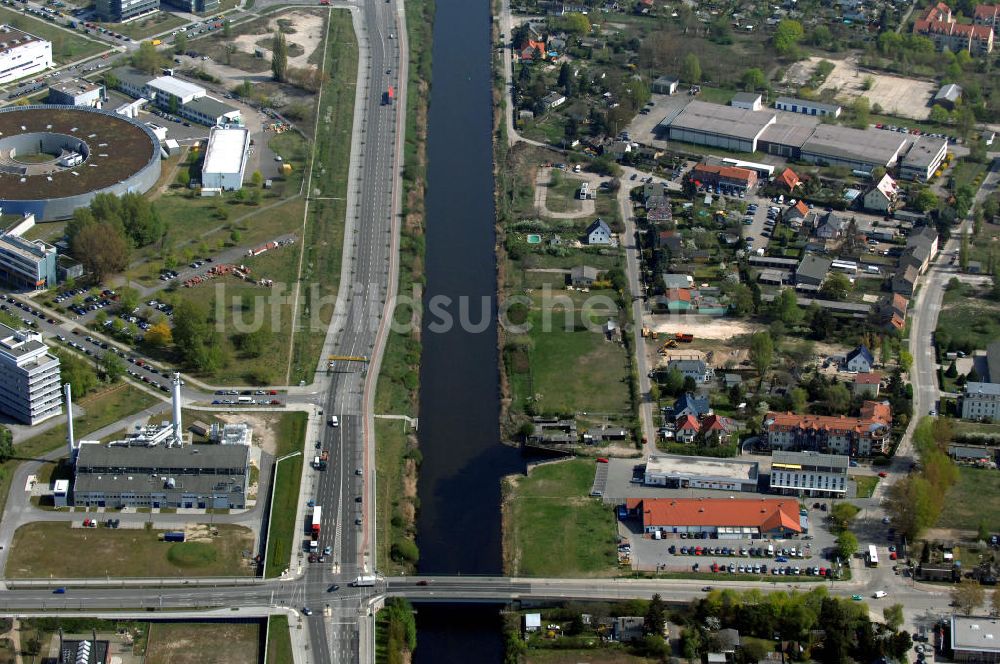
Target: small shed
{"points": [[532, 622]]}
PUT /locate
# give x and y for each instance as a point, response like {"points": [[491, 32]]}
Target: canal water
{"points": [[459, 520]]}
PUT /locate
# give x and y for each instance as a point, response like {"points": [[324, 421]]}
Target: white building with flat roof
{"points": [[225, 159], [167, 88], [975, 639], [809, 473], [22, 54], [693, 472], [30, 389]]}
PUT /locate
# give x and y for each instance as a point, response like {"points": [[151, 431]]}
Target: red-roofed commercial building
{"points": [[722, 518], [732, 177], [864, 435], [941, 27]]}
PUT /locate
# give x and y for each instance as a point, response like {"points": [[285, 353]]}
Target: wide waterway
{"points": [[459, 490]]}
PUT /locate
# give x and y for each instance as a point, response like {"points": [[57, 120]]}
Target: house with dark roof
{"points": [[599, 233], [948, 96], [859, 360], [695, 368], [904, 282], [677, 280], [830, 226], [811, 271], [672, 242], [690, 404], [583, 276], [665, 85]]}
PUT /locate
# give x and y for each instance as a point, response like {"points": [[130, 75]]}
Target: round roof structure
{"points": [[56, 158]]}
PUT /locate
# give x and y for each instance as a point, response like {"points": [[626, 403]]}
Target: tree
{"points": [[576, 23], [655, 615], [159, 334], [6, 444], [786, 307], [180, 42], [939, 114], [893, 616], [257, 179], [146, 58], [279, 57], [967, 596], [184, 178], [868, 83], [963, 253], [112, 367], [761, 352], [192, 328], [787, 36], [841, 515], [862, 112], [33, 646], [983, 532], [926, 200], [847, 545], [227, 30], [77, 372], [800, 399], [836, 286], [673, 382], [838, 398], [252, 344], [691, 69], [101, 248], [754, 79]]}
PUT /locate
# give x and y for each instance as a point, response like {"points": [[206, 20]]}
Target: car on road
{"points": [[423, 582], [59, 591], [856, 598], [706, 589], [333, 588], [879, 594], [306, 611], [886, 520], [601, 460], [327, 551]]}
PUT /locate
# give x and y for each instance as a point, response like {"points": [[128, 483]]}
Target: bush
{"points": [[405, 550]]}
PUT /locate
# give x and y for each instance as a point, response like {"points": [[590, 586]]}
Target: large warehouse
{"points": [[55, 159], [835, 145], [692, 472], [225, 159], [720, 518], [718, 126]]}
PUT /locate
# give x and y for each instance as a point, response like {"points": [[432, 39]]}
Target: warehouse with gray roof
{"points": [[720, 126]]}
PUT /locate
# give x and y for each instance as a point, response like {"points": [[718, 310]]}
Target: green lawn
{"points": [[281, 539], [966, 172], [279, 641], [39, 551], [67, 45], [561, 197], [968, 325], [963, 426], [570, 371], [199, 643], [975, 497], [553, 528], [147, 27], [866, 485], [610, 654]]}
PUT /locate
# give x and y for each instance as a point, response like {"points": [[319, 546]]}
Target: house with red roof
{"points": [[687, 429], [987, 15], [723, 518], [867, 384], [946, 32], [532, 49], [717, 427], [788, 179], [864, 435]]}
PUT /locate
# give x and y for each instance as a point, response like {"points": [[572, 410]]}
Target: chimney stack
{"points": [[176, 385]]}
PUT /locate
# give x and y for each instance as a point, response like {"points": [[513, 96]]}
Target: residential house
{"points": [[830, 226], [867, 384], [689, 404], [583, 276], [811, 272], [665, 85], [922, 246], [788, 180], [729, 640], [904, 282], [716, 426], [796, 213], [917, 255], [981, 401], [687, 429], [659, 214], [629, 628], [532, 49], [672, 242], [553, 100], [882, 197], [749, 101], [678, 300], [987, 15], [893, 311], [677, 281], [946, 32], [617, 149], [867, 434], [859, 360], [598, 233], [695, 368], [948, 96], [724, 177]]}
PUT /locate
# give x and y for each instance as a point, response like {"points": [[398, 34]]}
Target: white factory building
{"points": [[225, 160], [29, 377], [22, 54]]}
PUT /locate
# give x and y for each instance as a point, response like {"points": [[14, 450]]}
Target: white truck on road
{"points": [[364, 580]]}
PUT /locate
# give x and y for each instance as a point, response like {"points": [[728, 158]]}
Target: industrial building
{"points": [[975, 639], [175, 95], [194, 6], [719, 126], [693, 472], [722, 518], [859, 149], [77, 92], [864, 435], [981, 401], [22, 54], [806, 107], [225, 159], [809, 474], [123, 11], [29, 377], [153, 467]]}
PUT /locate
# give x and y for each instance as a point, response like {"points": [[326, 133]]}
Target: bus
{"points": [[872, 557], [317, 518]]}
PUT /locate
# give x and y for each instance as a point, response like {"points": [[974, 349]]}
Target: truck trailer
{"points": [[364, 580], [317, 519]]}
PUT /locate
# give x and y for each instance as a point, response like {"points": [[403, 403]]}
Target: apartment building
{"points": [[981, 401], [864, 435], [946, 32]]}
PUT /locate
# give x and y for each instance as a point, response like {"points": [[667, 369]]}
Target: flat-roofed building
{"points": [[859, 149], [22, 54], [30, 389], [27, 264], [981, 401], [750, 101], [225, 159], [975, 639], [77, 92], [692, 472], [809, 474], [923, 158], [722, 518], [806, 107], [183, 477], [212, 112], [168, 91], [716, 125]]}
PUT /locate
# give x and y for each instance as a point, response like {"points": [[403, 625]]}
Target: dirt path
{"points": [[543, 180]]}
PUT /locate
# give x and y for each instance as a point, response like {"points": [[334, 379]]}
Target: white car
{"points": [[879, 594]]}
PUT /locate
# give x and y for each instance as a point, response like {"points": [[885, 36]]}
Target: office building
{"points": [[975, 639], [27, 264], [22, 54], [178, 96], [806, 107], [29, 377], [77, 92], [809, 474], [123, 11]]}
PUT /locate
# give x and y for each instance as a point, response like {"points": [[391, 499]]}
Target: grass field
{"points": [[147, 27], [396, 507], [102, 408], [607, 655], [66, 44], [279, 641], [975, 497], [570, 371], [39, 551], [552, 527], [866, 485], [561, 196], [281, 535], [962, 426], [968, 324], [324, 235], [203, 643]]}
